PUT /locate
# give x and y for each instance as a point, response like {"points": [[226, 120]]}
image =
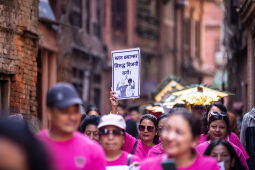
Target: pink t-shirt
{"points": [[141, 149], [203, 146], [200, 163], [156, 150], [123, 160], [232, 138], [77, 153]]}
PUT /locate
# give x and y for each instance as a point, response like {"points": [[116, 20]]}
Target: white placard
{"points": [[221, 165], [126, 73]]}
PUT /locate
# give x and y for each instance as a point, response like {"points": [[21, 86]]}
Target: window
{"points": [[118, 15], [76, 13], [88, 16], [97, 94], [186, 37], [97, 24], [78, 76], [197, 39], [4, 92], [97, 78], [39, 84]]}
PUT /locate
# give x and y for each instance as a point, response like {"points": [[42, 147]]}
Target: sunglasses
{"points": [[223, 114], [106, 132], [94, 133], [149, 128]]}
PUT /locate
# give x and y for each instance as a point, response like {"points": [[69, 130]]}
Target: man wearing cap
{"points": [[70, 150], [112, 137]]}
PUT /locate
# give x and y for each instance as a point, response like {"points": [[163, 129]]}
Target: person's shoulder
{"points": [[233, 137], [233, 145], [249, 115], [246, 116], [42, 134], [155, 150], [206, 162], [156, 147], [203, 135], [84, 139], [206, 159], [200, 148], [203, 144]]}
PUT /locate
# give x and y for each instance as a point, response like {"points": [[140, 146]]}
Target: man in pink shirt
{"points": [[69, 150]]}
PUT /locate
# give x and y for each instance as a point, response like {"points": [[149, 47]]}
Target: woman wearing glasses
{"points": [[232, 137], [180, 135], [147, 132], [219, 128], [112, 137]]}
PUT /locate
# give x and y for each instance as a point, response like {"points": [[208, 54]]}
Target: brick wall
{"points": [[18, 51]]}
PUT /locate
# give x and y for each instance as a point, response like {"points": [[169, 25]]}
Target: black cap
{"points": [[62, 95]]}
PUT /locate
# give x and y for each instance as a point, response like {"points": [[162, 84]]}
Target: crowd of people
{"points": [[177, 140]]}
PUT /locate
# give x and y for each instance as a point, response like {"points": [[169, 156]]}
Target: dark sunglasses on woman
{"points": [[149, 128], [106, 132]]}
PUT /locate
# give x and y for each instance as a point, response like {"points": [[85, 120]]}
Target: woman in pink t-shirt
{"points": [[158, 149], [232, 137], [179, 136], [147, 132], [223, 151], [219, 128], [112, 134]]}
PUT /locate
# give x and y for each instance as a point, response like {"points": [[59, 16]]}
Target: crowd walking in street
{"points": [[176, 140]]}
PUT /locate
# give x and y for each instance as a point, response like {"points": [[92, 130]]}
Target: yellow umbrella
{"points": [[199, 98], [202, 89]]}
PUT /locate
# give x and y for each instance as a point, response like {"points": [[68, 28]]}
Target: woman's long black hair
{"points": [[238, 165], [19, 133]]}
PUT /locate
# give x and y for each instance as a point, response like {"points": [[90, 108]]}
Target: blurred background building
{"points": [[239, 41], [46, 41]]}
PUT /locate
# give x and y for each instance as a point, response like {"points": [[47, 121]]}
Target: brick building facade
{"points": [[18, 51]]}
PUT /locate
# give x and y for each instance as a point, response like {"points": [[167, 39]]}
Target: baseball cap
{"points": [[112, 119], [62, 95]]}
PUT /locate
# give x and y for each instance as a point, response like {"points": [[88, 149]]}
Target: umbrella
{"points": [[199, 95]]}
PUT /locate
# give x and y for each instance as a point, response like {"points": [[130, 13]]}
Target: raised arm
{"points": [[114, 102]]}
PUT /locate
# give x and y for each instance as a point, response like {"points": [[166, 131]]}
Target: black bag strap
{"points": [[129, 159], [134, 148]]}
